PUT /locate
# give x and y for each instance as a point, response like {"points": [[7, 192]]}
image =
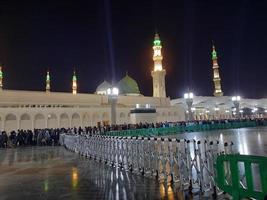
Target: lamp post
{"points": [[113, 93], [189, 102], [236, 101]]}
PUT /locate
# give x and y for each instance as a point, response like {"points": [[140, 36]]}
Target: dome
{"points": [[102, 88], [128, 86]]}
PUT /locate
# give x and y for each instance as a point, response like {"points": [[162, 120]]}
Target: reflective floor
{"points": [[248, 141], [55, 173]]}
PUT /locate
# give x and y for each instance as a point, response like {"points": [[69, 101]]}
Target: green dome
{"points": [[128, 86]]}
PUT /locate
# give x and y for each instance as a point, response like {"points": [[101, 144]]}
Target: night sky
{"points": [[104, 39]]}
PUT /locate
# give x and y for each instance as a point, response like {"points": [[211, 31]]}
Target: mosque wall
{"points": [[29, 98], [30, 110], [49, 117]]}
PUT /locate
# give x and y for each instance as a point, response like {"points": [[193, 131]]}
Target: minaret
{"points": [[47, 87], [216, 75], [74, 83], [1, 78], [158, 73]]}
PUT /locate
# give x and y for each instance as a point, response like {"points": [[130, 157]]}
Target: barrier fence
{"points": [[242, 176], [188, 163], [180, 129]]}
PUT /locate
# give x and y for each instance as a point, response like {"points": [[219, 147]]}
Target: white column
{"points": [[18, 123], [3, 124], [32, 122], [46, 122], [58, 121]]}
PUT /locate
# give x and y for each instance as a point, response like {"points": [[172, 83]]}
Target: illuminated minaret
{"points": [[1, 78], [47, 86], [158, 73], [216, 75], [74, 83]]}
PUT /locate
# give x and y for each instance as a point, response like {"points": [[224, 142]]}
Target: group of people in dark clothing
{"points": [[119, 127], [29, 138], [51, 136]]}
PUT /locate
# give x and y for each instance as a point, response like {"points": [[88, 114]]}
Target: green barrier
{"points": [[231, 169], [181, 129]]}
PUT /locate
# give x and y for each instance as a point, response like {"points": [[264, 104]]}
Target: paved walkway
{"points": [[55, 173]]}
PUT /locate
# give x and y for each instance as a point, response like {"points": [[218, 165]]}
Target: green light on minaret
{"points": [[157, 41], [74, 77], [214, 53], [1, 73]]}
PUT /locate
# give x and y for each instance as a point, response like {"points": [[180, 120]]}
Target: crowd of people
{"points": [[51, 136], [107, 128], [40, 137]]}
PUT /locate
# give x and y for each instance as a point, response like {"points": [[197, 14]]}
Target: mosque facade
{"points": [[46, 109]]}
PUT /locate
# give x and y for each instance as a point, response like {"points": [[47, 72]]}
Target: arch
{"points": [[39, 121], [11, 122], [105, 116], [25, 116], [64, 121], [170, 116], [164, 117], [122, 118], [11, 117], [52, 121], [95, 119], [86, 120], [25, 122], [122, 115], [75, 120]]}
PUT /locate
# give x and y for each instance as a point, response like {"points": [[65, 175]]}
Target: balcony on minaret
{"points": [[158, 68]]}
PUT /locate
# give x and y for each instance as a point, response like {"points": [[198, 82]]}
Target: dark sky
{"points": [[103, 39]]}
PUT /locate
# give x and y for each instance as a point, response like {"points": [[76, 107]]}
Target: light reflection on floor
{"points": [[55, 173], [248, 141]]}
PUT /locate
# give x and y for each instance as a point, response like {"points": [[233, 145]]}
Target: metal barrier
{"points": [[188, 163], [242, 176], [148, 132]]}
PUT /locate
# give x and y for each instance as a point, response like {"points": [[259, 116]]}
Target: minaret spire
{"points": [[158, 73], [1, 78], [47, 87], [74, 83], [216, 75]]}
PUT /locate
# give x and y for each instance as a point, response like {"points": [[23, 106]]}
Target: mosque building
{"points": [[37, 109], [219, 106]]}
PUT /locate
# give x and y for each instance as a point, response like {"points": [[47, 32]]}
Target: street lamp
{"points": [[113, 93], [236, 101], [189, 102]]}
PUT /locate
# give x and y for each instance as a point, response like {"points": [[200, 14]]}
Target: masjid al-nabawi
{"points": [[45, 109]]}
